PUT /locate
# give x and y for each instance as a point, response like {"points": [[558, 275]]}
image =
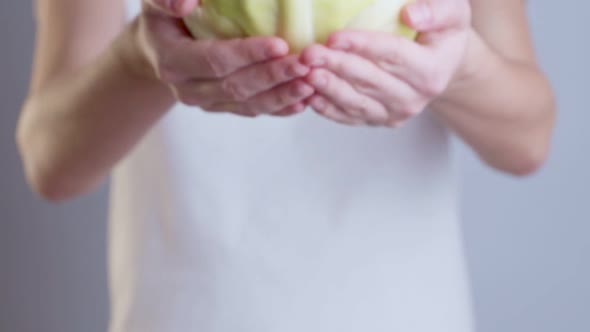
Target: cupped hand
{"points": [[379, 79], [249, 77]]}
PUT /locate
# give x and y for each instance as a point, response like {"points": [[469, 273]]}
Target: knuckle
{"points": [[390, 63], [365, 87], [215, 58], [392, 60], [395, 58], [234, 90], [341, 64], [359, 44], [254, 53], [310, 54], [323, 79], [434, 85], [364, 107], [320, 105], [283, 97], [299, 90], [337, 64], [273, 74]]}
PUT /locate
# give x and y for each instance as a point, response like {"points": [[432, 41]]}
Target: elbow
{"points": [[49, 188], [55, 183], [50, 185], [527, 156], [533, 153], [521, 162], [43, 179], [49, 182], [530, 149], [529, 162], [47, 177]]}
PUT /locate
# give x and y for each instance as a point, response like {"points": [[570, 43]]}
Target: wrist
{"points": [[133, 63], [128, 53], [478, 64]]}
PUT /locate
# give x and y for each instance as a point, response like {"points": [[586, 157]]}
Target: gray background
{"points": [[527, 240]]}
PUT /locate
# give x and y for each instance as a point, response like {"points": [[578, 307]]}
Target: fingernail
{"points": [[420, 13]]}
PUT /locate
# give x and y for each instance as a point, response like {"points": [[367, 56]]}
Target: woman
{"points": [[235, 206]]}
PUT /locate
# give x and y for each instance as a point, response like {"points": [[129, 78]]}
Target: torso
{"points": [[221, 223]]}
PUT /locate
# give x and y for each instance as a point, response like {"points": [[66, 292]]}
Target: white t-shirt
{"points": [[225, 224]]}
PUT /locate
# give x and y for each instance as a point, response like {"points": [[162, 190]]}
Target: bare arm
{"points": [[99, 85], [503, 106], [86, 109], [473, 65]]}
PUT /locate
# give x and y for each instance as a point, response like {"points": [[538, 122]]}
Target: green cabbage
{"points": [[299, 22]]}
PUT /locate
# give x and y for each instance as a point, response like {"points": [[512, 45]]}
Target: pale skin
{"points": [[100, 84]]}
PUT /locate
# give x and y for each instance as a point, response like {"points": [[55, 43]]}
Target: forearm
{"points": [[503, 109], [74, 129]]}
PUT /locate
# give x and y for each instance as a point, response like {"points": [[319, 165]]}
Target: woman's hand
{"points": [[248, 77], [377, 79]]}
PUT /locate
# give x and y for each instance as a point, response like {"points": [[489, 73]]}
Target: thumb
{"points": [[176, 8], [433, 15]]}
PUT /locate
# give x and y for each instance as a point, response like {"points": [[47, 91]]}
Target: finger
{"points": [[366, 77], [405, 59], [343, 95], [202, 93], [291, 110], [208, 93], [207, 59], [219, 106], [229, 107], [255, 79], [224, 57], [243, 84], [279, 98], [433, 15], [324, 107], [176, 8], [327, 109]]}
